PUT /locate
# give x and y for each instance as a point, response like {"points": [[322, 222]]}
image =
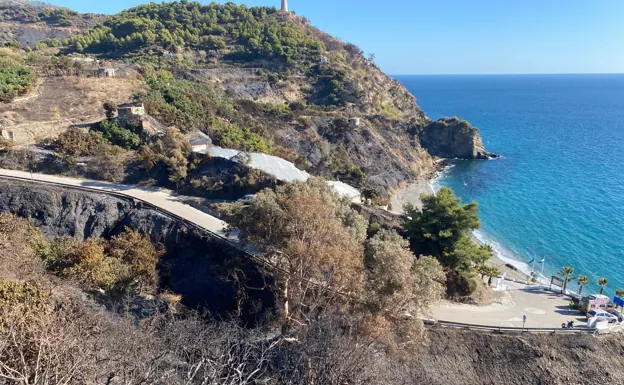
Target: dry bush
{"points": [[138, 252], [171, 300], [18, 241], [93, 268], [314, 238], [79, 99], [40, 343], [67, 342], [313, 242], [109, 165], [5, 144], [332, 352], [49, 335], [107, 162], [75, 142], [125, 264]]}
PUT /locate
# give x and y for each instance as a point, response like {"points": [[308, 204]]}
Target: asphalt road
{"points": [[163, 199], [542, 308]]}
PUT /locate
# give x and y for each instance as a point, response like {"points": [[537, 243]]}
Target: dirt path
{"points": [[33, 94]]}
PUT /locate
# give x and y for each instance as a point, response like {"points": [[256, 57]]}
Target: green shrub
{"points": [[334, 87], [10, 44], [123, 136], [373, 229], [389, 112], [471, 285], [233, 136], [190, 105], [40, 46], [276, 110], [57, 16], [15, 78], [53, 254], [52, 42], [184, 104]]}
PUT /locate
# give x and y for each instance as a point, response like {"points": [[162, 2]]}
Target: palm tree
{"points": [[602, 282], [582, 280], [565, 272]]}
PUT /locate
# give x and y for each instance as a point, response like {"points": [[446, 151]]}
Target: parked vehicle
{"points": [[247, 198], [602, 315], [594, 302]]}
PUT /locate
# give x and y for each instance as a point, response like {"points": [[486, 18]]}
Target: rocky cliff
{"points": [[454, 138], [206, 272], [370, 136]]}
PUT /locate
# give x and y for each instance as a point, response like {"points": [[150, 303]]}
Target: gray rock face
{"points": [[384, 151], [207, 272], [454, 138]]}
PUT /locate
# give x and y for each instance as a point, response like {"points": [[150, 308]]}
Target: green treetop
{"points": [[442, 229], [249, 33]]}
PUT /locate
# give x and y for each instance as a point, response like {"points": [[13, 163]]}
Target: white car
{"points": [[247, 198], [602, 315]]}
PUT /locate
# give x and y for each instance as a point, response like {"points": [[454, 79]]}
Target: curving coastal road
{"points": [[162, 199], [543, 309]]}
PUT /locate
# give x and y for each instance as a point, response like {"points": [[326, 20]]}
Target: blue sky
{"points": [[462, 36]]}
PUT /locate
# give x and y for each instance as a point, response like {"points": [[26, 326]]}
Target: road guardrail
{"points": [[506, 329]]}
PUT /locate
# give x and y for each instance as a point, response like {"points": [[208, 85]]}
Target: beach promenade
{"points": [[542, 308]]}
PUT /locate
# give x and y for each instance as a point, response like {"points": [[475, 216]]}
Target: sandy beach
{"points": [[411, 194], [512, 272]]}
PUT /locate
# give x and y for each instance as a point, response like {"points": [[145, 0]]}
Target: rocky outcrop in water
{"points": [[454, 138], [207, 272]]}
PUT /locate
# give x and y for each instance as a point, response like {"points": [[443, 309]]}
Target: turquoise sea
{"points": [[558, 190]]}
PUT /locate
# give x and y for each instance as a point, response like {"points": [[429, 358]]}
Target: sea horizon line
{"points": [[515, 74]]}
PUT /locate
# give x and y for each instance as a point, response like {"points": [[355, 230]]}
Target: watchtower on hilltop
{"points": [[284, 5]]}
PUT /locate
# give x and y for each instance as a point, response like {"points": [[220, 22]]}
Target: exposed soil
{"points": [[471, 357], [60, 102]]}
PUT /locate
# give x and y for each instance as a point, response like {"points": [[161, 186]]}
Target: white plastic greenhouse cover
{"points": [[279, 168]]}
